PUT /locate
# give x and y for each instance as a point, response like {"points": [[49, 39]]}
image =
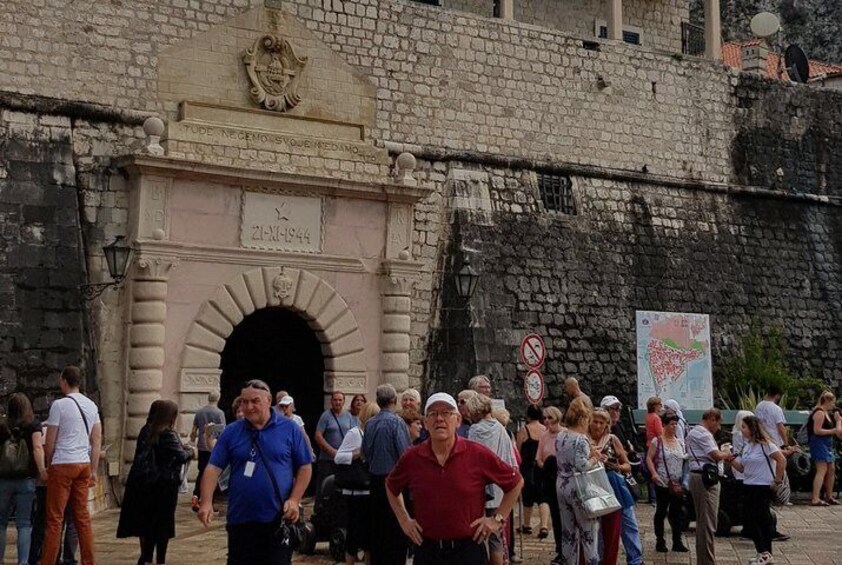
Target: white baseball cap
{"points": [[286, 401], [609, 401], [440, 397]]}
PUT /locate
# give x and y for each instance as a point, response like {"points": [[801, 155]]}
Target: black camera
{"points": [[292, 534]]}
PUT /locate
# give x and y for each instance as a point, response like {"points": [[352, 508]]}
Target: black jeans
{"points": [[388, 543], [148, 546], [758, 516], [204, 458], [668, 507], [254, 543], [550, 471], [460, 552]]}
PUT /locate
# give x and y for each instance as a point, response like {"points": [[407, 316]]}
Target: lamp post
{"points": [[117, 255]]}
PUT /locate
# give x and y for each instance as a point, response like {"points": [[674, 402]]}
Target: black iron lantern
{"points": [[466, 280], [117, 255]]}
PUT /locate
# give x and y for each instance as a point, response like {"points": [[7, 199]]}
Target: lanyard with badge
{"points": [[250, 464]]}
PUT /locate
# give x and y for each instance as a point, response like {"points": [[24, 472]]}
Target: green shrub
{"points": [[761, 361]]}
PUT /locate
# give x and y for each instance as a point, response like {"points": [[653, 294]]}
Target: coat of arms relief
{"points": [[275, 73]]}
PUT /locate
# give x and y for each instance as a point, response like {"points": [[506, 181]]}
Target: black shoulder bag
{"points": [[282, 530], [353, 476], [710, 472]]}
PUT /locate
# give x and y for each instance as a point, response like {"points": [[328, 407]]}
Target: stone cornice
{"points": [[257, 257], [237, 176]]}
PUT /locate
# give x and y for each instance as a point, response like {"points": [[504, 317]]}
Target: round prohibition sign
{"points": [[533, 387], [532, 351]]}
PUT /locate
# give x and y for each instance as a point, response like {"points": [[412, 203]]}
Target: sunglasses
{"points": [[256, 383]]}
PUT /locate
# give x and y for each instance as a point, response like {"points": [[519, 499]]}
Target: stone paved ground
{"points": [[815, 540]]}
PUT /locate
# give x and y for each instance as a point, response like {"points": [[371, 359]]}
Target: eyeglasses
{"points": [[614, 408], [258, 384], [433, 415]]}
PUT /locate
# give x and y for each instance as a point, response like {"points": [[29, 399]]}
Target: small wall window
{"points": [[556, 193], [631, 34]]}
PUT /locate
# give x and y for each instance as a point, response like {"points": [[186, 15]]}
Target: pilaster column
{"points": [[713, 30], [615, 20], [394, 340], [146, 344], [507, 9]]}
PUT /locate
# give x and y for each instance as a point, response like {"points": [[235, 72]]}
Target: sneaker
{"points": [[765, 558], [780, 537], [194, 503]]}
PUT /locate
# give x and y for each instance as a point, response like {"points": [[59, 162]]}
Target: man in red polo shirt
{"points": [[447, 477]]}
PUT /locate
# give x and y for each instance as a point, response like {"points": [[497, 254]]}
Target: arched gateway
{"points": [[295, 290]]}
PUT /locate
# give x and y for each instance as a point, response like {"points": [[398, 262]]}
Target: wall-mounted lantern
{"points": [[466, 280], [117, 255]]}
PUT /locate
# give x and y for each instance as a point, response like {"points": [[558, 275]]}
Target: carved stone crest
{"points": [[282, 286], [275, 73]]}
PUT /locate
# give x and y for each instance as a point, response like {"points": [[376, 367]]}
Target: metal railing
{"points": [[692, 39]]}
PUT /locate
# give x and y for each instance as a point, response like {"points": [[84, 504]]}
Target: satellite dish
{"points": [[765, 24], [797, 65]]}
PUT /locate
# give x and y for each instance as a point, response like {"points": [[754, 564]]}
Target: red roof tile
{"points": [[732, 55]]}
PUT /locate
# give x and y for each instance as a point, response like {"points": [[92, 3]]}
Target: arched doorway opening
{"points": [[275, 345]]}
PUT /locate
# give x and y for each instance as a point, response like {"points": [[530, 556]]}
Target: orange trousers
{"points": [[68, 482]]}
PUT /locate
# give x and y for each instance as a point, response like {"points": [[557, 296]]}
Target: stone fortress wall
{"points": [[651, 140]]}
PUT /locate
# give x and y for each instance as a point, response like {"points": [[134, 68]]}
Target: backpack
{"points": [[14, 456], [145, 468]]}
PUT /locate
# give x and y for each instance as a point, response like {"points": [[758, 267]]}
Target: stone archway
{"points": [[326, 312]]}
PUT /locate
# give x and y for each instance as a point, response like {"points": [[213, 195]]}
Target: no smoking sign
{"points": [[532, 351]]}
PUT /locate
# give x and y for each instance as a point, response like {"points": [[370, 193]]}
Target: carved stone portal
{"points": [[275, 73]]}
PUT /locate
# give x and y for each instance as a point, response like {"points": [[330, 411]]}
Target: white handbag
{"points": [[595, 492]]}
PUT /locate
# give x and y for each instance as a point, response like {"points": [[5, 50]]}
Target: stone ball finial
{"points": [[153, 126], [405, 164]]}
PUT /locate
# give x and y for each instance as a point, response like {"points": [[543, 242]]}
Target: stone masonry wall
{"points": [[578, 280], [444, 78], [788, 137], [660, 24], [41, 315]]}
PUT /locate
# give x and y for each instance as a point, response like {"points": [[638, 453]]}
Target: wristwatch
{"points": [[499, 518]]}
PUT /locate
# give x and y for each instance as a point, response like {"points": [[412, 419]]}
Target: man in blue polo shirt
{"points": [[259, 444]]}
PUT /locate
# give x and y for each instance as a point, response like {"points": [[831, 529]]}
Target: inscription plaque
{"points": [[283, 222]]}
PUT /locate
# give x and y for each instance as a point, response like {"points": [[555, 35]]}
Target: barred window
{"points": [[556, 193]]}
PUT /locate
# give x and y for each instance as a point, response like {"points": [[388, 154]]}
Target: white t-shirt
{"points": [[756, 467], [699, 444], [770, 415], [297, 419], [73, 442]]}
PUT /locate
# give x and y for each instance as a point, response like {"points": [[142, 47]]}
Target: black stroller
{"points": [[327, 522]]}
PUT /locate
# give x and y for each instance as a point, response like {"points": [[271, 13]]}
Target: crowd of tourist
{"points": [[438, 479]]}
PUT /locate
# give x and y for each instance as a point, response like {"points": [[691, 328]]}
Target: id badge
{"points": [[249, 470]]}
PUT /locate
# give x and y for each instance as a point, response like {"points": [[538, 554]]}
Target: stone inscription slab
{"points": [[261, 140], [282, 222], [200, 380]]}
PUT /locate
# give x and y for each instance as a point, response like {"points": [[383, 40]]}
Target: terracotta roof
{"points": [[732, 55]]}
